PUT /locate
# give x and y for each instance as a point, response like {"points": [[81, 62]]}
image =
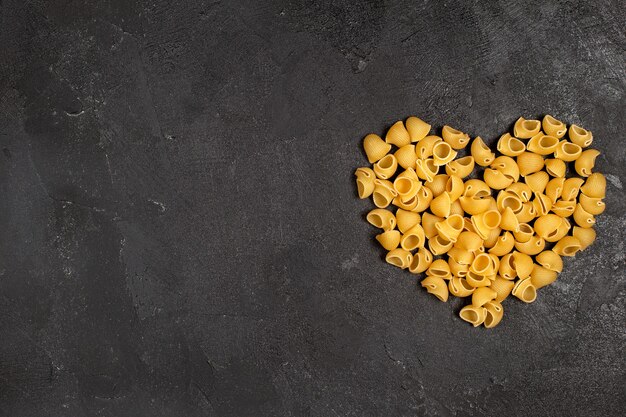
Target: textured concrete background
{"points": [[180, 229]]}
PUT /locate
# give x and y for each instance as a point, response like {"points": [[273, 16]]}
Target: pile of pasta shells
{"points": [[480, 224]]}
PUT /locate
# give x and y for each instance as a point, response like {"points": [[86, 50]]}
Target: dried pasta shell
{"points": [[524, 233], [375, 148], [407, 184], [455, 138], [550, 260], [525, 129], [490, 242], [510, 146], [580, 136], [502, 287], [450, 228], [389, 239], [405, 203], [461, 255], [583, 218], [461, 167], [454, 187], [509, 220], [426, 169], [564, 208], [527, 213], [507, 267], [521, 190], [563, 229], [421, 261], [477, 189], [534, 245], [477, 280], [429, 222], [399, 257], [406, 219], [554, 189], [523, 264], [365, 181], [398, 135], [437, 287], [481, 153], [547, 225], [503, 245], [495, 312], [440, 206], [555, 167], [456, 208], [508, 199], [568, 246], [469, 241], [592, 205], [529, 163], [459, 287], [457, 269], [424, 148], [414, 238], [542, 144], [553, 127], [417, 128], [383, 195], [567, 151], [542, 204], [439, 268], [438, 184], [496, 179], [485, 222], [474, 315], [424, 197], [571, 187], [406, 156], [584, 236], [482, 296], [585, 162], [595, 186], [386, 167], [381, 218], [439, 245], [507, 166], [541, 277], [525, 290], [443, 153], [537, 181], [482, 265]]}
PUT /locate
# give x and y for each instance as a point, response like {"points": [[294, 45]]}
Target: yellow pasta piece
{"points": [[398, 135], [568, 246], [389, 239], [541, 277], [439, 245], [508, 220], [381, 218], [542, 203], [564, 208], [481, 153], [525, 290], [510, 146], [417, 128], [386, 167], [476, 188], [456, 208], [406, 184], [450, 228], [507, 166], [567, 151], [510, 200], [443, 153], [592, 205], [482, 295], [440, 206], [424, 197], [474, 315], [550, 260], [555, 167], [529, 163], [495, 311], [491, 240], [563, 229], [527, 213], [474, 206], [571, 187], [454, 187], [459, 287], [429, 222], [414, 238], [553, 127], [424, 148], [524, 233], [580, 136], [399, 257], [438, 184], [375, 148], [502, 287], [585, 162], [584, 236], [406, 219], [421, 261], [496, 179], [465, 248], [437, 287], [504, 244], [554, 189], [534, 245], [537, 181], [406, 156], [523, 264], [595, 186], [457, 269], [439, 268], [455, 138], [521, 190], [461, 167], [583, 218], [525, 129], [405, 203], [507, 267], [542, 144], [547, 226], [485, 222], [365, 181], [477, 280], [426, 169], [383, 195], [482, 265]]}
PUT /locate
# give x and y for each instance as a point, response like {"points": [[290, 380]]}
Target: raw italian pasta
{"points": [[501, 232]]}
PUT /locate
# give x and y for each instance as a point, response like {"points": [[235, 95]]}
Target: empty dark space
{"points": [[181, 233]]}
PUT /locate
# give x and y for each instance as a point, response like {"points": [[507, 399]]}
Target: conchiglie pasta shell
{"points": [[521, 190], [406, 219], [424, 148], [585, 236], [547, 225], [491, 240], [592, 205], [474, 315], [507, 166], [583, 218], [386, 167], [525, 129], [414, 238], [461, 255], [508, 199], [550, 260], [524, 233], [407, 184], [542, 204], [438, 245], [495, 312], [424, 197], [440, 206], [437, 287], [482, 265], [406, 203], [439, 268], [398, 135], [389, 239], [554, 189], [454, 187], [580, 136], [456, 208], [567, 151], [542, 144], [375, 148], [476, 188], [457, 269], [461, 167], [571, 187], [529, 163], [503, 245], [459, 287], [535, 245], [563, 230], [509, 220], [585, 162], [553, 127], [510, 146], [507, 267], [525, 290], [568, 246], [523, 264], [485, 222], [429, 222], [527, 213], [456, 138], [399, 257], [595, 186], [417, 128], [541, 277], [555, 167], [438, 184], [365, 182], [364, 172], [469, 241], [406, 156], [502, 287], [426, 169], [421, 261], [381, 218], [537, 181], [481, 153], [450, 228], [496, 179], [443, 153], [477, 280], [383, 196], [482, 296]]}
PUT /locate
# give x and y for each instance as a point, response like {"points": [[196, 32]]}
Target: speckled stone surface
{"points": [[181, 234]]}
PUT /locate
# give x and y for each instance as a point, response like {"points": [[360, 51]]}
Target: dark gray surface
{"points": [[181, 235]]}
